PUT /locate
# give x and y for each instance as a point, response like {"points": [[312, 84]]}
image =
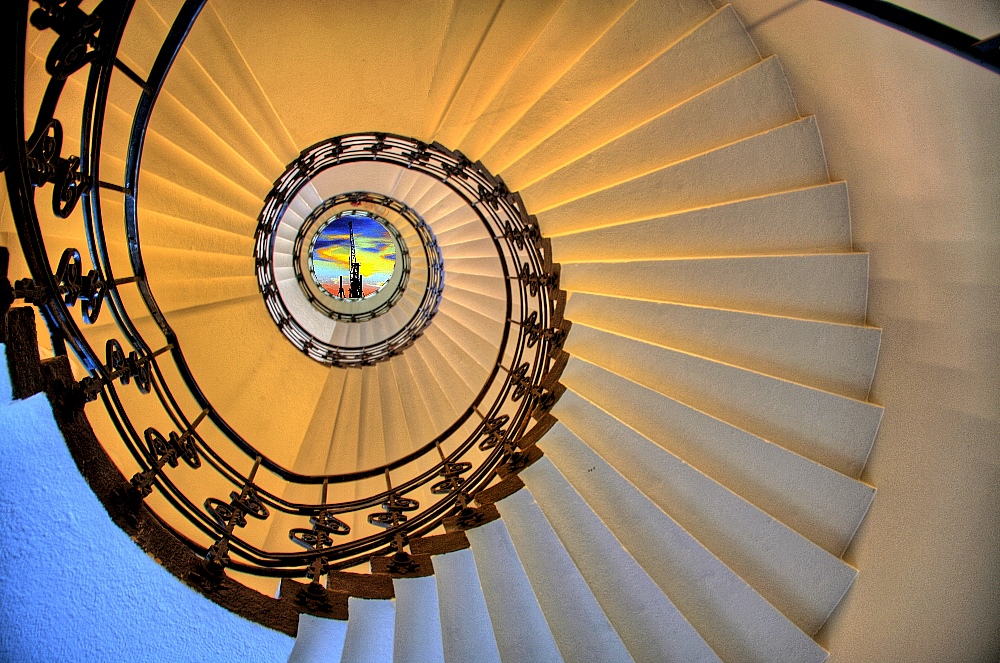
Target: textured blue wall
{"points": [[74, 587]]}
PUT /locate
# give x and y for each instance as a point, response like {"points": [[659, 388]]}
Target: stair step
{"points": [[579, 625], [832, 430], [487, 286], [572, 30], [823, 505], [482, 247], [234, 156], [318, 640], [796, 576], [810, 220], [830, 287], [784, 158], [173, 163], [473, 346], [370, 627], [522, 633], [509, 35], [488, 324], [373, 448], [418, 621], [145, 26], [736, 621], [458, 217], [466, 629], [648, 622], [395, 408], [833, 357], [469, 230], [314, 452], [459, 377], [179, 233], [751, 102], [219, 83], [647, 29], [693, 64]]}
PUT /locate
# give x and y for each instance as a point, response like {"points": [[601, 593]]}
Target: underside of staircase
{"points": [[691, 494]]}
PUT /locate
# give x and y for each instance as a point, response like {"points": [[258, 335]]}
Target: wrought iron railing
{"points": [[520, 385]]}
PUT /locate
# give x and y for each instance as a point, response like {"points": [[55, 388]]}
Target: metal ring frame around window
{"points": [[534, 325], [307, 166], [428, 243]]}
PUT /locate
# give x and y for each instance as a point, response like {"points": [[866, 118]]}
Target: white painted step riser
{"points": [[692, 65], [522, 633], [796, 576], [579, 625], [829, 429], [370, 628], [734, 619], [318, 640], [827, 287], [467, 632], [417, 637], [817, 502], [747, 104], [784, 158], [655, 633], [836, 358]]}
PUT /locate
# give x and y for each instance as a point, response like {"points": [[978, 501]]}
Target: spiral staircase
{"points": [[690, 484]]}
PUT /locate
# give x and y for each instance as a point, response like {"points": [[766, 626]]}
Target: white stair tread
{"points": [[829, 429], [833, 357], [370, 628], [784, 158], [649, 624], [466, 629], [417, 637], [737, 622], [522, 633], [809, 220], [318, 640], [821, 504], [580, 627], [832, 287]]}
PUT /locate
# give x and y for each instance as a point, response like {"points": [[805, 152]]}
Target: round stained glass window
{"points": [[352, 256]]}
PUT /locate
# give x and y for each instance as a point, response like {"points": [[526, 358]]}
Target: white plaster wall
{"points": [[916, 133], [74, 588]]}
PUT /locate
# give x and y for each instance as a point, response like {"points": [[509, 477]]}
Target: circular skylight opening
{"points": [[352, 256]]}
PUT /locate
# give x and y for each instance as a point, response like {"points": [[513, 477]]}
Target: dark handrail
{"points": [[984, 52]]}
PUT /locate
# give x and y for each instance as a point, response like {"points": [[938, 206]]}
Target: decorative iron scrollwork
{"points": [[72, 286], [167, 451], [324, 524], [77, 44], [535, 281], [493, 432], [395, 508], [45, 164]]}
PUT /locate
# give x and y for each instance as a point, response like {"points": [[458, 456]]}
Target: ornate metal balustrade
{"points": [[199, 437]]}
